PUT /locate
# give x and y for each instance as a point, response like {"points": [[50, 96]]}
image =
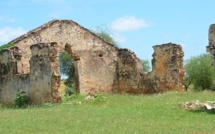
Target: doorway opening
{"points": [[69, 74]]}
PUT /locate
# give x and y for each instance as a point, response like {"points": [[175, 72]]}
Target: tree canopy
{"points": [[146, 65], [199, 72], [67, 68]]}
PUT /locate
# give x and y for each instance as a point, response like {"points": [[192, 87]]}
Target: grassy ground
{"points": [[117, 114]]}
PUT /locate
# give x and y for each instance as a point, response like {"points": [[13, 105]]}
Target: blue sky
{"points": [[137, 24]]}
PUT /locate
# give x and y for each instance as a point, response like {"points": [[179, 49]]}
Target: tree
{"points": [[199, 72], [67, 68], [66, 64], [146, 65]]}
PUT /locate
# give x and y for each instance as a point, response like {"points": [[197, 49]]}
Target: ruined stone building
{"points": [[211, 39], [32, 65]]}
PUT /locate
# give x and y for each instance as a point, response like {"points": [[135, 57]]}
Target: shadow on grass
{"points": [[203, 111]]}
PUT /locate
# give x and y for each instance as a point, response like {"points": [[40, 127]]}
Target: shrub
{"points": [[199, 72], [74, 97], [100, 98], [21, 100], [69, 91]]}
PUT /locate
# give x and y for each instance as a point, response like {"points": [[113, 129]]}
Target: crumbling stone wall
{"points": [[7, 68], [211, 39], [129, 72], [37, 83], [99, 66], [95, 59], [167, 71], [40, 75]]}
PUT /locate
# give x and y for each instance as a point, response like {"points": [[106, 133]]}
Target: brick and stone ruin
{"points": [[32, 65]]}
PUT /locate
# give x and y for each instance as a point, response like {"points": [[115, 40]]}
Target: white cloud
{"points": [[8, 33], [128, 23]]}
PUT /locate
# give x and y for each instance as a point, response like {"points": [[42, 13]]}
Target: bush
{"points": [[74, 97], [69, 91], [70, 81], [100, 98], [22, 99], [199, 72]]}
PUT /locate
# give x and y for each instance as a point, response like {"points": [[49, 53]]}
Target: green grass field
{"points": [[117, 114]]}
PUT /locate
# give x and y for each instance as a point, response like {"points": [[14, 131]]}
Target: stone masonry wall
{"points": [[37, 84], [40, 74], [129, 72], [211, 39], [167, 71], [95, 59], [99, 66]]}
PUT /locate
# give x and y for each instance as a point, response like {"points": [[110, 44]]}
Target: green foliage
{"points": [[105, 34], [187, 82], [5, 47], [21, 100], [66, 64], [47, 105], [120, 114], [69, 91], [67, 68], [100, 98], [146, 65], [77, 98], [70, 81], [73, 97], [199, 72]]}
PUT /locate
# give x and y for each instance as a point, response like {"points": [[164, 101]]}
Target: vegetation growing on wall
{"points": [[5, 46], [105, 34]]}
